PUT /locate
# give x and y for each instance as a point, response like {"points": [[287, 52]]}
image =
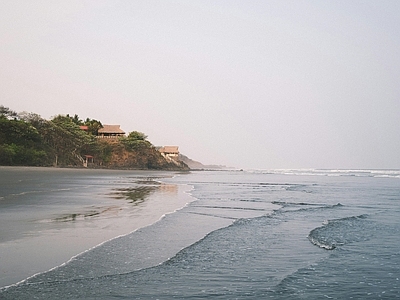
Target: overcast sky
{"points": [[250, 84]]}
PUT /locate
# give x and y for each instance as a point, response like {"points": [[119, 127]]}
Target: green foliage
{"points": [[105, 153], [93, 126], [5, 112], [7, 154], [20, 142], [75, 119], [20, 155], [135, 141], [34, 119], [29, 140], [136, 135], [18, 132], [66, 139]]}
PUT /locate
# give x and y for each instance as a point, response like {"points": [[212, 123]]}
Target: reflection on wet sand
{"points": [[74, 217], [135, 195], [169, 188], [162, 187], [81, 216], [138, 194]]}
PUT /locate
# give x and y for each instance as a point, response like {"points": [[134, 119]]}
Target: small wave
{"points": [[229, 207], [24, 193], [319, 205], [339, 232], [286, 203], [326, 246], [212, 215]]}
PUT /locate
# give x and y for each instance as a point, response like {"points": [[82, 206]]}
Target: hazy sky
{"points": [[250, 84]]}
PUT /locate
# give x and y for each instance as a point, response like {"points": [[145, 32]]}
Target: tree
{"points": [[18, 132], [136, 141], [66, 138], [34, 119], [138, 136], [5, 112], [93, 126], [20, 141], [75, 119]]}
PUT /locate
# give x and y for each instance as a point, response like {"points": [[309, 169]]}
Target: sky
{"points": [[247, 84]]}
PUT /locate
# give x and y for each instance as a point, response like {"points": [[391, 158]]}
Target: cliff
{"points": [[144, 158]]}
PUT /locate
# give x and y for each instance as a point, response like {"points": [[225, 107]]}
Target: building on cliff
{"points": [[110, 131], [169, 152]]}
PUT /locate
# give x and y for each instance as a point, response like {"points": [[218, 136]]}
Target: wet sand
{"points": [[53, 233]]}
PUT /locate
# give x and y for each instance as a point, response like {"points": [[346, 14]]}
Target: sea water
{"points": [[279, 234]]}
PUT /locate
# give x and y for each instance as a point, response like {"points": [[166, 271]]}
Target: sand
{"points": [[56, 238]]}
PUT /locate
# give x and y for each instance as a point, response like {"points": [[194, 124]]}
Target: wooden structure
{"points": [[170, 152], [110, 131]]}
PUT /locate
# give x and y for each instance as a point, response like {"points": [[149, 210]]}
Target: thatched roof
{"points": [[111, 129], [169, 149]]}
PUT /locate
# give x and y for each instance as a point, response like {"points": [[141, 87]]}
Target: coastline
{"points": [[61, 236]]}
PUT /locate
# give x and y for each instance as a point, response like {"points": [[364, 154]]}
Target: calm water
{"points": [[293, 234]]}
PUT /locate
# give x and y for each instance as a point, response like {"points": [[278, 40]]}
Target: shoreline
{"points": [[41, 251]]}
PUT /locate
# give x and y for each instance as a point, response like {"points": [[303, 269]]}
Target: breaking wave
{"points": [[339, 232]]}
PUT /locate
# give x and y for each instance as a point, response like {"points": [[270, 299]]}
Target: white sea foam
{"points": [[330, 172]]}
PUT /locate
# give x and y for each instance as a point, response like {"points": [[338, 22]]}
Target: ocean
{"points": [[252, 234]]}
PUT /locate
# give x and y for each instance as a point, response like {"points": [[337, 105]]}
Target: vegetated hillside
{"points": [[121, 157], [29, 140]]}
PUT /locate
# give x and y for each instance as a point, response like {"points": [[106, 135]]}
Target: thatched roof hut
{"points": [[111, 131], [169, 150]]}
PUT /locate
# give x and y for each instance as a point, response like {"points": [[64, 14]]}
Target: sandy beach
{"points": [[49, 216]]}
